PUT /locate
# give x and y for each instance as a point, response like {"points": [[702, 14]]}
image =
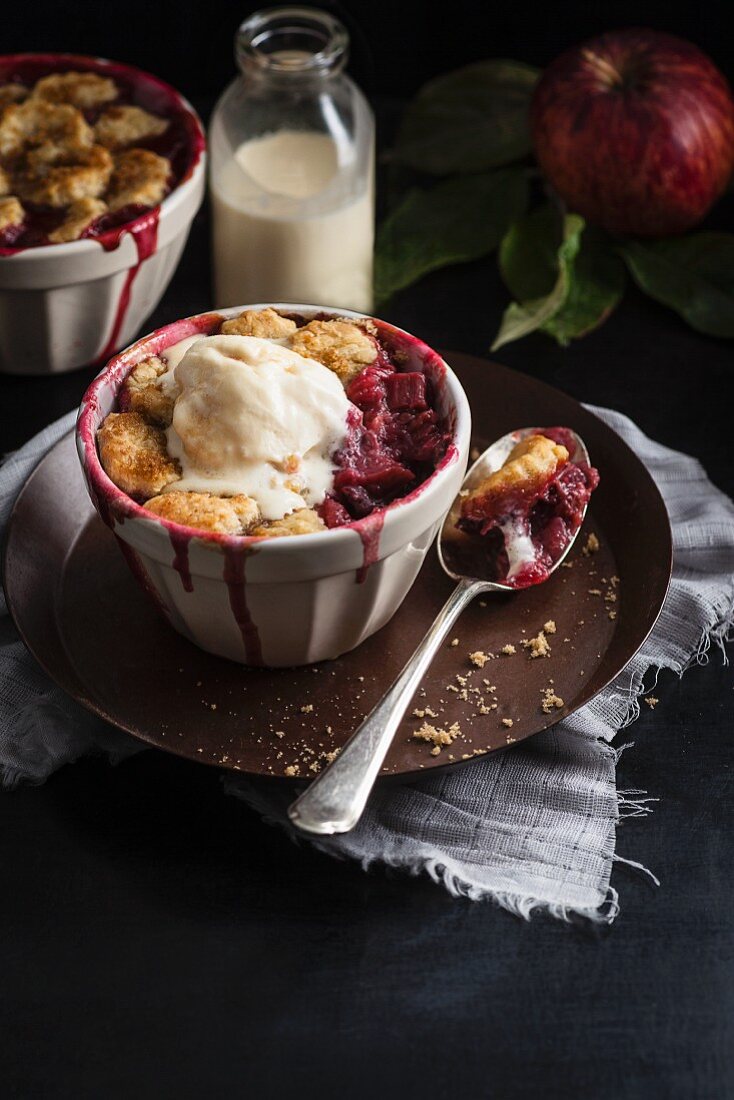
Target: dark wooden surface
{"points": [[158, 940]]}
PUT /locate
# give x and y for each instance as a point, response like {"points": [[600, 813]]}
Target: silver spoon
{"points": [[335, 800]]}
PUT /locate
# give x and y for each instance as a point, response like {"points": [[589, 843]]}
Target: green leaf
{"points": [[470, 120], [536, 270], [693, 275], [595, 289], [459, 220], [566, 277]]}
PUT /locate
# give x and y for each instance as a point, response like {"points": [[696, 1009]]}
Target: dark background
{"points": [[158, 940], [396, 44]]}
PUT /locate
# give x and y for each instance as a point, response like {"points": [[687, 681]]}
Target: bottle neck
{"points": [[291, 47]]}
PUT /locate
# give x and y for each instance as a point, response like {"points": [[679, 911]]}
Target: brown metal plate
{"points": [[81, 614]]}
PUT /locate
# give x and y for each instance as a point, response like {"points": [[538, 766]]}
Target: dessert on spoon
{"points": [[516, 517]]}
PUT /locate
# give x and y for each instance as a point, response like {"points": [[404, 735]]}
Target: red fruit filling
{"points": [[392, 447]]}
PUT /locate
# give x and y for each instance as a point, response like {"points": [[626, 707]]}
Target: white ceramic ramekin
{"points": [[65, 306], [284, 601]]}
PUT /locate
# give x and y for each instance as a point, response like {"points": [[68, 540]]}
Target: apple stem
{"points": [[603, 68]]}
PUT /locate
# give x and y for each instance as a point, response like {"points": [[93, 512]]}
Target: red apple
{"points": [[635, 131]]}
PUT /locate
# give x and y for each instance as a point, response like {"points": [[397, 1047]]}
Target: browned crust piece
{"points": [[35, 123], [6, 184], [342, 346], [12, 93], [266, 323], [133, 454], [140, 178], [66, 177], [121, 126], [219, 515], [78, 217], [84, 90], [529, 466], [144, 394], [304, 521], [11, 213]]}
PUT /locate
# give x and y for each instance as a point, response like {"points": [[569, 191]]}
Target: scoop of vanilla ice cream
{"points": [[254, 417]]}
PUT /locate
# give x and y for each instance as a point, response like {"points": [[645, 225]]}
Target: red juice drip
{"points": [[369, 531], [145, 234], [180, 544], [234, 578]]}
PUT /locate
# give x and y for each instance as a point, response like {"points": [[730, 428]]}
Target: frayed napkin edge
{"points": [[631, 804]]}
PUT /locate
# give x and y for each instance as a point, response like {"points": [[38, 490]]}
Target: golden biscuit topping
{"points": [[12, 93], [11, 213], [144, 394], [304, 521], [66, 176], [343, 347], [140, 178], [220, 515], [84, 90], [79, 216], [50, 156], [528, 468], [36, 123], [133, 454], [265, 323], [121, 126]]}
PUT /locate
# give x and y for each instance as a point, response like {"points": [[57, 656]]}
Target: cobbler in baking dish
{"points": [[273, 425], [81, 152], [523, 516]]}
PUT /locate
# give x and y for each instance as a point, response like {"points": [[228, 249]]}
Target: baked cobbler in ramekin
{"points": [[101, 173], [275, 474]]}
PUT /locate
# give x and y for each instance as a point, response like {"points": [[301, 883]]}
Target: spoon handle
{"points": [[334, 802]]}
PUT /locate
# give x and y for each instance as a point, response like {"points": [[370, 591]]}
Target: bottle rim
{"points": [[291, 41]]}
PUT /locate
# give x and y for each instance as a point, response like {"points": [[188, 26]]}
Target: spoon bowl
{"points": [[335, 800], [488, 463]]}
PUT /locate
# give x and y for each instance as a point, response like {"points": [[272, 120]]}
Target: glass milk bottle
{"points": [[292, 168]]}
